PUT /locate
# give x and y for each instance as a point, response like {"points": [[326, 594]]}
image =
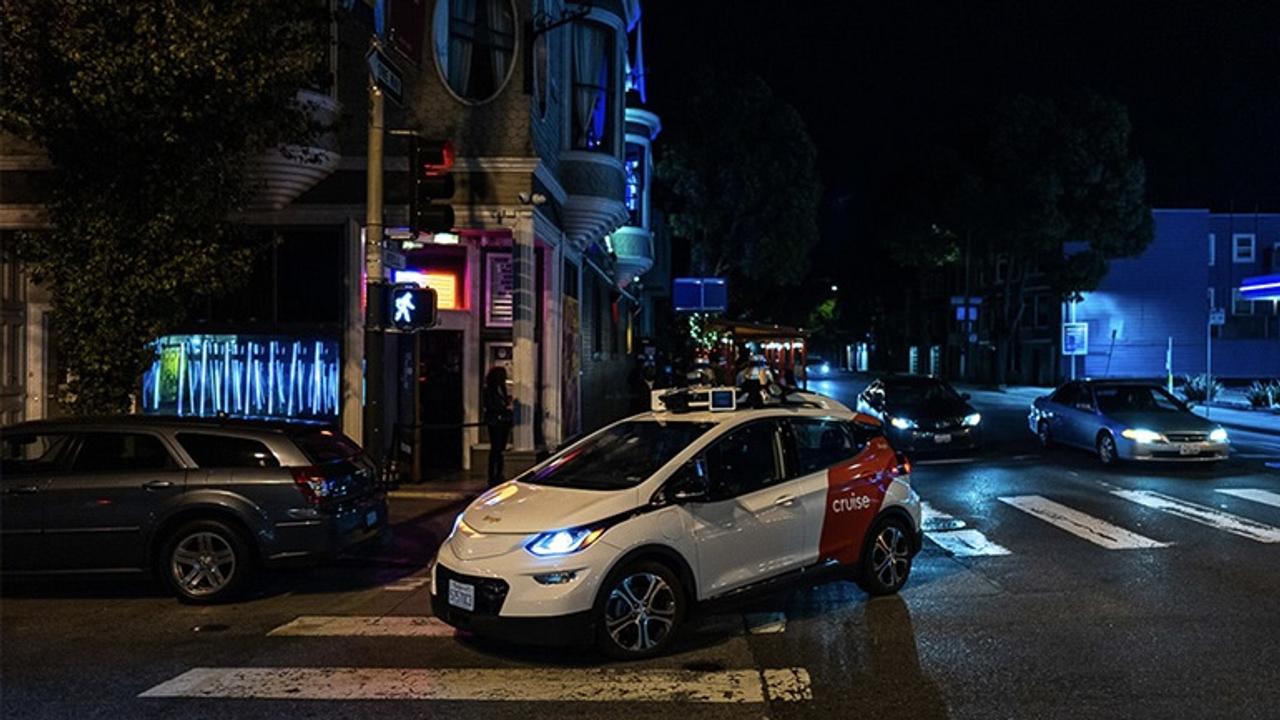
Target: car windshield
{"points": [[618, 457], [1122, 398], [919, 393]]}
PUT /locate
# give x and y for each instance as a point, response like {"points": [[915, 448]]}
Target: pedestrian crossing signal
{"points": [[410, 307]]}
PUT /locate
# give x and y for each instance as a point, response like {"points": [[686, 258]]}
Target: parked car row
{"points": [[201, 503]]}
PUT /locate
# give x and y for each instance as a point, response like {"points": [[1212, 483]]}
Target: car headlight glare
{"points": [[902, 423], [972, 419], [563, 542], [1142, 436], [1218, 435]]}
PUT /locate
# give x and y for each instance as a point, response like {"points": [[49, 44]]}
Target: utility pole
{"points": [[967, 325], [374, 343]]}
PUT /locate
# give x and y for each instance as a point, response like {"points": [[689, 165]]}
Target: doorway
{"points": [[440, 406]]}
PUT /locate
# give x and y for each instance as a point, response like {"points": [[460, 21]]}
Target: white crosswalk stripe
{"points": [[952, 535], [364, 626], [490, 684], [1097, 531], [1212, 517], [1266, 497], [766, 623]]}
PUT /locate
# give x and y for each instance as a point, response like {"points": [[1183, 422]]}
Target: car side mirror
{"points": [[689, 484]]}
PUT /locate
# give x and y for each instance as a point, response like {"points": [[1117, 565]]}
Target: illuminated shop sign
{"points": [[244, 376]]}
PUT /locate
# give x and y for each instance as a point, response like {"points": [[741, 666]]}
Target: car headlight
{"points": [[1218, 435], [1142, 436], [563, 542], [824, 369], [902, 423], [972, 419]]}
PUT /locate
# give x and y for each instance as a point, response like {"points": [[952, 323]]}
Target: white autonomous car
{"points": [[615, 538]]}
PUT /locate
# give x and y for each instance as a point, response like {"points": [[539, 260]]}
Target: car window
{"points": [[920, 392], [225, 451], [822, 443], [620, 456], [31, 453], [117, 452], [744, 461], [1067, 395], [325, 446], [1121, 398]]}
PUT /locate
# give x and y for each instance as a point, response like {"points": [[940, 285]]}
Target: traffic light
{"points": [[410, 307], [429, 164]]}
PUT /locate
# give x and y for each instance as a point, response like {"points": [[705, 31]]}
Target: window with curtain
{"points": [[635, 165], [474, 46], [593, 105]]}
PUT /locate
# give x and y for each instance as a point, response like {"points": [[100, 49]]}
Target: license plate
{"points": [[462, 595], [371, 518], [942, 439], [1189, 450]]}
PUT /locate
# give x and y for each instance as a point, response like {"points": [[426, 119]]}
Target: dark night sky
{"points": [[1201, 79]]}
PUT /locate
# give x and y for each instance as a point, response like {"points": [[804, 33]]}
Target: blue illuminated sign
{"points": [[1075, 338], [700, 295], [1263, 287]]}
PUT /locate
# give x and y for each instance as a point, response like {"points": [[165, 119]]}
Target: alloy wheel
{"points": [[640, 612], [891, 557], [203, 563], [1106, 450]]}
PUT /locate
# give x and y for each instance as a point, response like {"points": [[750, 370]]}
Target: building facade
{"points": [[542, 101]]}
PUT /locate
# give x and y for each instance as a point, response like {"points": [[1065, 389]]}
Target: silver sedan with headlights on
{"points": [[1122, 420]]}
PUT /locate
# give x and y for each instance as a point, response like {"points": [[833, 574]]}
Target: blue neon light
{"points": [[244, 376]]}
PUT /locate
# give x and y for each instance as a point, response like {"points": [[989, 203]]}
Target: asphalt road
{"points": [[1049, 587]]}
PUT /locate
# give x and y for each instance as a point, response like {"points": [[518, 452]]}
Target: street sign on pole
{"points": [[1217, 316], [386, 75], [1075, 338]]}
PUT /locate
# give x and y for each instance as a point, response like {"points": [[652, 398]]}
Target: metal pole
{"points": [[967, 325], [1208, 362], [374, 407]]}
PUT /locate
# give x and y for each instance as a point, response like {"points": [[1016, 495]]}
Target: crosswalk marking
{"points": [[766, 623], [932, 519], [501, 684], [967, 543], [1266, 497], [1096, 531], [364, 626], [1244, 527]]}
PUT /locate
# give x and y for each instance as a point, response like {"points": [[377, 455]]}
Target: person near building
{"points": [[497, 416]]}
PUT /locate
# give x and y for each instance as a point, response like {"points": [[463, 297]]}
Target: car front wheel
{"points": [[639, 611], [1107, 453], [886, 561], [205, 561], [1042, 434]]}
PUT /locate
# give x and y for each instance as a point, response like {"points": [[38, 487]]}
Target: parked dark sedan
{"points": [[922, 413], [202, 503]]}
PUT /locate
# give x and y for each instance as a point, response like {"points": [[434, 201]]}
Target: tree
{"points": [[1052, 190], [149, 114], [738, 177]]}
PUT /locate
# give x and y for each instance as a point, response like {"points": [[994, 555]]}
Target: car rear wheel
{"points": [[206, 561], [1107, 453], [886, 561], [638, 611]]}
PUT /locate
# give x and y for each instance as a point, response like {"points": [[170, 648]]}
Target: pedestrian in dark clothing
{"points": [[497, 416]]}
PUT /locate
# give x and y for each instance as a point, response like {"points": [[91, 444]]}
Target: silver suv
{"points": [[201, 502]]}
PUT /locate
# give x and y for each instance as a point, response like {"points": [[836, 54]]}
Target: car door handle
{"points": [[22, 490], [785, 501], [157, 485]]}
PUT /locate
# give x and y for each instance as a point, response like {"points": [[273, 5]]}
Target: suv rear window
{"points": [[226, 451], [325, 446]]}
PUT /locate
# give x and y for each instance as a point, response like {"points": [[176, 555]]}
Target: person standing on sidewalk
{"points": [[497, 416]]}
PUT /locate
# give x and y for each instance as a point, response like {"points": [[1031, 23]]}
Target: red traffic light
{"points": [[431, 157]]}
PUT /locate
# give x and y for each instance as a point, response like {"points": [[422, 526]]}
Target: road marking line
{"points": [[932, 518], [506, 684], [766, 623], [449, 495], [967, 543], [1234, 524], [944, 461], [1097, 531], [1266, 497], [364, 626]]}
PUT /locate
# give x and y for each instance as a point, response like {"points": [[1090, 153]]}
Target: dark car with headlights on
{"points": [[201, 503], [922, 414], [1121, 420]]}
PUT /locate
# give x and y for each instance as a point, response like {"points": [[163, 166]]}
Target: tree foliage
{"points": [[738, 173], [149, 114]]}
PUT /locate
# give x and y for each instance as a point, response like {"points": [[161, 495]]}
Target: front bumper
{"points": [[559, 630], [918, 440], [1172, 451]]}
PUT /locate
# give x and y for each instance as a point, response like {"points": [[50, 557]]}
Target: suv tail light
{"points": [[315, 487]]}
